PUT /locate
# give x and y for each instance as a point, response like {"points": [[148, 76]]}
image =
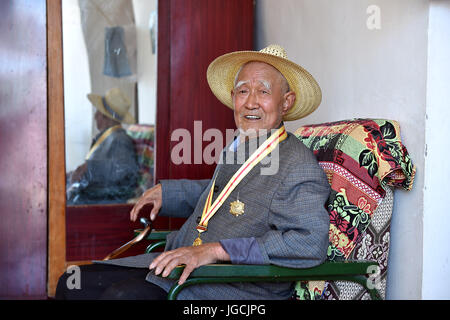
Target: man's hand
{"points": [[78, 173], [151, 196], [192, 257]]}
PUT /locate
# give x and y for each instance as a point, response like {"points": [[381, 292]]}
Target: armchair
{"points": [[363, 160], [356, 272]]}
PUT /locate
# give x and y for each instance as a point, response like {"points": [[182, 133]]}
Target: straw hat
{"points": [[222, 71], [114, 104]]}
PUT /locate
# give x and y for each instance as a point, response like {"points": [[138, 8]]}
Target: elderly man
{"points": [[110, 172], [242, 215]]}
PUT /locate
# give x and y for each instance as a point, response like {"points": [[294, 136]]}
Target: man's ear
{"points": [[232, 94], [289, 100]]}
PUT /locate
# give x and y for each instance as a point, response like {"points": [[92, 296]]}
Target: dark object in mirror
{"points": [[116, 59]]}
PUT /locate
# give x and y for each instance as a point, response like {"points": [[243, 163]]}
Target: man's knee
{"points": [[107, 282]]}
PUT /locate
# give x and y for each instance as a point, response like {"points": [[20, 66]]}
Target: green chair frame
{"points": [[354, 271]]}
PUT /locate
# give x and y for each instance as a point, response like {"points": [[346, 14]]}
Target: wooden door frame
{"points": [[56, 148]]}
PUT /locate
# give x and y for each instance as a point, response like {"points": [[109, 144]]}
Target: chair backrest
{"points": [[363, 159], [143, 137]]}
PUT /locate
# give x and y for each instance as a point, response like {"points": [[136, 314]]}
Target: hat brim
{"points": [[97, 102], [222, 71]]}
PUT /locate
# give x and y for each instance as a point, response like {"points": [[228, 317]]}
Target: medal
{"points": [[237, 208], [197, 241]]}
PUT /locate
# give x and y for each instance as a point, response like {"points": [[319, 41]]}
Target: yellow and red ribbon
{"points": [[102, 138], [260, 153]]}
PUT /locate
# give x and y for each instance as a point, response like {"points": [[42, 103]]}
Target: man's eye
{"points": [[242, 91]]}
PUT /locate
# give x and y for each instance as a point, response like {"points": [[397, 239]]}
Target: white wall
{"points": [[77, 83], [436, 220], [378, 73], [146, 61]]}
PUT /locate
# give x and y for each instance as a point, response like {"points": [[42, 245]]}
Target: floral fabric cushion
{"points": [[362, 159], [143, 137]]}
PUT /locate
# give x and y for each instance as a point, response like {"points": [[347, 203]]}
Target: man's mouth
{"points": [[250, 117]]}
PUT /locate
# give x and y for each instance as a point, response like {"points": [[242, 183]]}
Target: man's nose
{"points": [[252, 101]]}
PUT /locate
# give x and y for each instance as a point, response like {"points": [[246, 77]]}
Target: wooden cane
{"points": [[129, 244]]}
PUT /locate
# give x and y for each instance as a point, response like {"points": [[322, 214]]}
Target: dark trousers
{"points": [[108, 282]]}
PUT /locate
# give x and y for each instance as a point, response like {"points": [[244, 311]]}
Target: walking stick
{"points": [[148, 227]]}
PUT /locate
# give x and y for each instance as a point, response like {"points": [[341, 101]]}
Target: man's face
{"points": [[260, 97], [101, 120]]}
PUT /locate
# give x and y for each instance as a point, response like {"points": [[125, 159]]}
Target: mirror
{"points": [[109, 60]]}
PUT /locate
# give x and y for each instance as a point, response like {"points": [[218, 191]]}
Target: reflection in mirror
{"points": [[109, 53]]}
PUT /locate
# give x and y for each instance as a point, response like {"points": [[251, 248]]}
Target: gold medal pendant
{"points": [[237, 208], [197, 241]]}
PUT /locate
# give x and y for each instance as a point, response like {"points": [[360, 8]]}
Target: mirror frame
{"points": [[56, 148], [57, 252]]}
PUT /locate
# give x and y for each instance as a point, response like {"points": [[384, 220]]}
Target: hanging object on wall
{"points": [[116, 59], [153, 26]]}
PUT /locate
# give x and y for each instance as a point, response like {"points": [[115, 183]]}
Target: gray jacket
{"points": [[284, 212]]}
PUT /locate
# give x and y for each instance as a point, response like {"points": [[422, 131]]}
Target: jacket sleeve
{"points": [[179, 197], [243, 250], [298, 219]]}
